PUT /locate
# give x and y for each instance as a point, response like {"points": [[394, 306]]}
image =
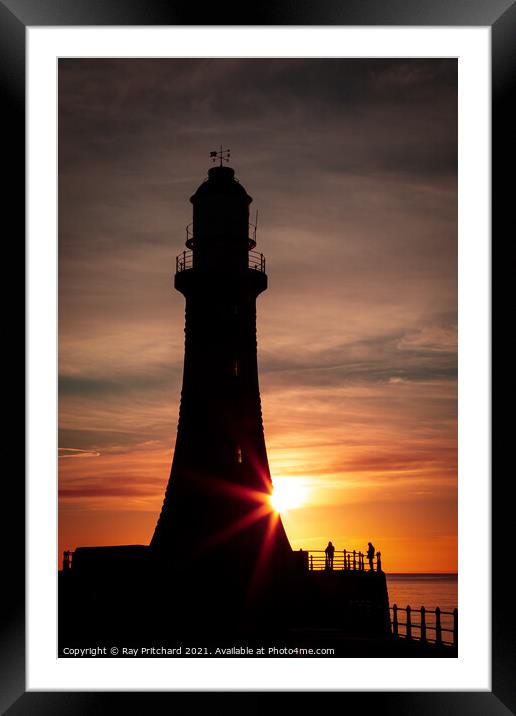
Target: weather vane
{"points": [[222, 155]]}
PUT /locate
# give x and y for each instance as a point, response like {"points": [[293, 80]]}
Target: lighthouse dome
{"points": [[221, 183]]}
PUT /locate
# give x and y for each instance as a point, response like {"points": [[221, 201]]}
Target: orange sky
{"points": [[354, 176]]}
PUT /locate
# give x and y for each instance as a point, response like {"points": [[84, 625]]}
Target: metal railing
{"points": [[435, 620], [67, 560], [184, 261], [251, 236], [189, 236], [343, 560], [256, 261]]}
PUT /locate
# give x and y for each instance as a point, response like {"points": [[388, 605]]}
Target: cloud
{"points": [[426, 354], [76, 453], [84, 386], [87, 491]]}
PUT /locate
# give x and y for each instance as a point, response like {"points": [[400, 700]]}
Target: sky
{"points": [[352, 166]]}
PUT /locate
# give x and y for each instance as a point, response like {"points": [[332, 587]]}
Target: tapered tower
{"points": [[217, 512]]}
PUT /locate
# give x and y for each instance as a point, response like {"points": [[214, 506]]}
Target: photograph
{"points": [[260, 455], [257, 357]]}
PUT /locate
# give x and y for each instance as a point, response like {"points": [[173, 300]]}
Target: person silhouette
{"points": [[330, 551], [370, 555]]}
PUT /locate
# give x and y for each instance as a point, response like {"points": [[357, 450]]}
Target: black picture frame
{"points": [[500, 16]]}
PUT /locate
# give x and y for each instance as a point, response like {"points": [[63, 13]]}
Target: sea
{"points": [[424, 590]]}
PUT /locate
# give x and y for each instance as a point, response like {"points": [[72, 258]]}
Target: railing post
{"points": [[345, 560], [311, 562], [455, 626], [354, 560], [395, 620], [409, 623], [438, 631], [423, 625]]}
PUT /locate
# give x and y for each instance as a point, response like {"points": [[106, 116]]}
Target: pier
{"points": [[343, 604]]}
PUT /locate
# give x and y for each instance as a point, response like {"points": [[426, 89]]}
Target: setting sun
{"points": [[288, 493]]}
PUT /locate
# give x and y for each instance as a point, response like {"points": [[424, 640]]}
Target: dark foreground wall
{"points": [[355, 603], [122, 596]]}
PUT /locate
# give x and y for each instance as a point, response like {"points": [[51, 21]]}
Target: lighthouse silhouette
{"points": [[217, 518]]}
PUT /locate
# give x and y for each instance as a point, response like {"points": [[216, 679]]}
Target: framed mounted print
{"points": [[258, 365]]}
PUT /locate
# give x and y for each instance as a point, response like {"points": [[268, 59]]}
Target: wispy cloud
{"points": [[76, 453]]}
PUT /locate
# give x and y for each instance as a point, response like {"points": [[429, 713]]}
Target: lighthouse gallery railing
{"points": [[184, 261]]}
